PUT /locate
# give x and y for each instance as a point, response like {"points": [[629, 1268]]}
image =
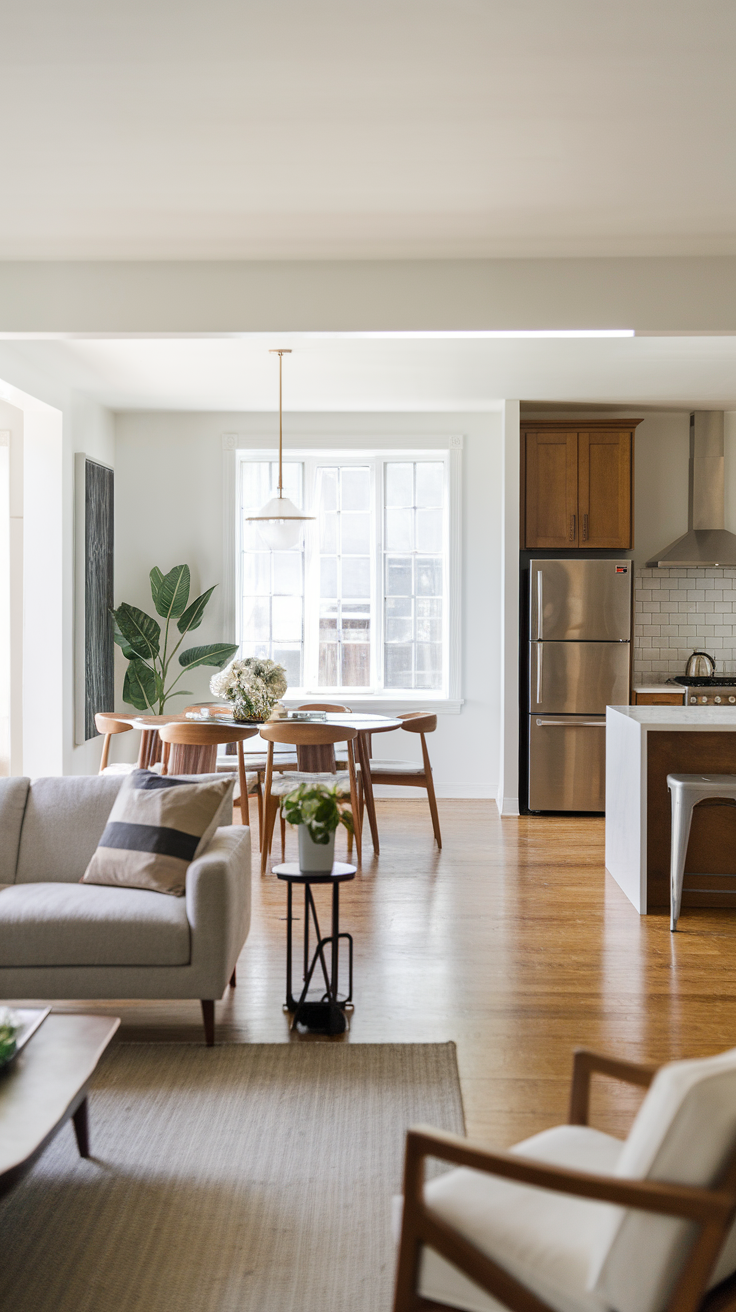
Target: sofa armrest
{"points": [[218, 904]]}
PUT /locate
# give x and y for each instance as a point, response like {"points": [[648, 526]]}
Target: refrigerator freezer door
{"points": [[580, 600], [567, 763], [578, 678]]}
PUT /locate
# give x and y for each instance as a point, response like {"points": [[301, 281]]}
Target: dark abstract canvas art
{"points": [[99, 647]]}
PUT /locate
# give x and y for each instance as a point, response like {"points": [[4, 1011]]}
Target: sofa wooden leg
{"points": [[80, 1120], [208, 1016], [234, 977]]}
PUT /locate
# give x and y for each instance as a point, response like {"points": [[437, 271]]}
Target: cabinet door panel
{"points": [[551, 490], [605, 488]]}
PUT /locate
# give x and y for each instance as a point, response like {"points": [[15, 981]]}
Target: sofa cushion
{"points": [[156, 828], [13, 798], [62, 924], [545, 1239], [63, 823]]}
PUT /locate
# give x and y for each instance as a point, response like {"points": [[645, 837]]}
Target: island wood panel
{"points": [[712, 846], [605, 490], [551, 490]]}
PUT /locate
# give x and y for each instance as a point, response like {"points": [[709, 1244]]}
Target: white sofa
{"points": [[63, 939]]}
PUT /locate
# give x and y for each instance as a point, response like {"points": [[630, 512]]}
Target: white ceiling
{"points": [[334, 373], [173, 129]]}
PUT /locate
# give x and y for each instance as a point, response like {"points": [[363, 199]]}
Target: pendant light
{"points": [[280, 522]]}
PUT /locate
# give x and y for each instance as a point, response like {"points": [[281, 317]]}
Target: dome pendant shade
{"points": [[280, 521]]}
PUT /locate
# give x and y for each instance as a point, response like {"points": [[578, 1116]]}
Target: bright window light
{"points": [[486, 333]]}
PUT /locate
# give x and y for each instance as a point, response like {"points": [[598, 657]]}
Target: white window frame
{"points": [[237, 448]]}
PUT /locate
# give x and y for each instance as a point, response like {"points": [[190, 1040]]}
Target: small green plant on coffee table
{"points": [[320, 807], [9, 1028]]}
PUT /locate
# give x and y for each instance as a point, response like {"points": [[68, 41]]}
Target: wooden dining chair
{"points": [[194, 751], [315, 749], [106, 725], [410, 774]]}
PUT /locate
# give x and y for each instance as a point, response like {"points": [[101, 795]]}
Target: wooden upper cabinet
{"points": [[551, 489], [578, 486], [604, 488]]}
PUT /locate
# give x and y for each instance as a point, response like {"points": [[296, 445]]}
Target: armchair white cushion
{"points": [[580, 1255]]}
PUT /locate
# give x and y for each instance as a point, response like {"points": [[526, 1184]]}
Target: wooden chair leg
{"points": [[269, 822], [354, 805], [429, 785], [259, 795], [105, 751], [208, 1016], [234, 977]]}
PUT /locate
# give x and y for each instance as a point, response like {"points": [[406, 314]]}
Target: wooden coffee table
{"points": [[45, 1086]]}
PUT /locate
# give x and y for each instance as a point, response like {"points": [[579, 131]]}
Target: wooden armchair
{"points": [[473, 1238]]}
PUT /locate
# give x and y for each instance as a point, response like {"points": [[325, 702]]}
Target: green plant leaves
{"points": [[172, 592], [140, 631], [139, 689], [318, 806], [157, 579], [122, 642], [192, 617], [217, 654]]}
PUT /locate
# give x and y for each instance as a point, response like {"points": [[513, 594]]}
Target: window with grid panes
{"points": [[361, 603]]}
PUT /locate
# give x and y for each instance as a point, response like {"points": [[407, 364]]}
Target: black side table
{"points": [[327, 1015]]}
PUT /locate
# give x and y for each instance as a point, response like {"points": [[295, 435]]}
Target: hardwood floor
{"points": [[514, 943]]}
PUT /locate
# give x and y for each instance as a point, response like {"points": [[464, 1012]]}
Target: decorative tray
{"points": [[30, 1019]]}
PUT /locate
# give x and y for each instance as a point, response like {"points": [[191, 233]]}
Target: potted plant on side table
{"points": [[317, 809]]}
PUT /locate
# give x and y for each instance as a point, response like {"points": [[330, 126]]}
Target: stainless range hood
{"points": [[706, 542]]}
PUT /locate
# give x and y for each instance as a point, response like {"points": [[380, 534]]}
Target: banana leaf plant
{"points": [[147, 684]]}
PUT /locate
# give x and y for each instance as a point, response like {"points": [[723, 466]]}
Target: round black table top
{"points": [[292, 872]]}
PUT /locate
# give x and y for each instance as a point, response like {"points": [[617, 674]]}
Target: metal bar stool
{"points": [[686, 790]]}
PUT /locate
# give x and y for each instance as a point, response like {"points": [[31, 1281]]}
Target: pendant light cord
{"points": [[281, 352]]}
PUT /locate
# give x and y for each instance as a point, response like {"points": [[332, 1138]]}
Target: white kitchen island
{"points": [[643, 745]]}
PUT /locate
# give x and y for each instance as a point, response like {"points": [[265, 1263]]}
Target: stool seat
{"points": [[686, 790]]}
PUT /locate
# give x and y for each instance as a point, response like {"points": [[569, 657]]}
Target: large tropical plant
{"points": [[147, 685]]}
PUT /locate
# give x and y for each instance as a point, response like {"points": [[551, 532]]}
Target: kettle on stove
{"points": [[700, 666]]}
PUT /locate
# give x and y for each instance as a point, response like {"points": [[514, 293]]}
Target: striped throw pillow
{"points": [[156, 828]]}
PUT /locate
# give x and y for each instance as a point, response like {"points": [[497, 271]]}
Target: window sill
{"points": [[380, 703]]}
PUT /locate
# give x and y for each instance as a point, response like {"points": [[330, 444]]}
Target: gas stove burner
{"points": [[712, 681]]}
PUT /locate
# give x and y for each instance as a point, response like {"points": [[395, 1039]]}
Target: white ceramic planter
{"points": [[315, 858]]}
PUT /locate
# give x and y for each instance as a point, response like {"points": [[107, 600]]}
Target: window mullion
{"points": [[311, 581], [378, 573]]}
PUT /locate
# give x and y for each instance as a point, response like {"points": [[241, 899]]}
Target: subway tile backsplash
{"points": [[678, 611]]}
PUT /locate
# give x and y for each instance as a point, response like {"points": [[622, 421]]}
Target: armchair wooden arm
{"points": [[587, 1063], [711, 1209]]}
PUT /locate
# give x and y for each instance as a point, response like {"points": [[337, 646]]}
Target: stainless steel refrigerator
{"points": [[580, 639]]}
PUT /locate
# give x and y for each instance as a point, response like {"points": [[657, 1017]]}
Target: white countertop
{"points": [[679, 717]]}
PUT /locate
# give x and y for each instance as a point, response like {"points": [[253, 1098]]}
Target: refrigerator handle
{"points": [[575, 723], [540, 656], [540, 624]]}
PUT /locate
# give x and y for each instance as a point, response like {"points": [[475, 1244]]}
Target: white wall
{"points": [[58, 421], [169, 510]]}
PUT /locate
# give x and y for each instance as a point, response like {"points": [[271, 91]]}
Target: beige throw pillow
{"points": [[156, 828]]}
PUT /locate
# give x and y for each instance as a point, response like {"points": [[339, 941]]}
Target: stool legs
{"points": [[682, 815]]}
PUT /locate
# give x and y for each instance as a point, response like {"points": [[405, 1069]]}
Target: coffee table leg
{"points": [[81, 1128]]}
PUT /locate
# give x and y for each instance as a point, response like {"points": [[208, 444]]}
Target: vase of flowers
{"points": [[252, 686], [317, 809]]}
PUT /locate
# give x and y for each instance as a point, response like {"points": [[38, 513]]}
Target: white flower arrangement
{"points": [[253, 686]]}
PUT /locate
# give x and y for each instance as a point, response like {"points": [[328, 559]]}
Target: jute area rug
{"points": [[249, 1177]]}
